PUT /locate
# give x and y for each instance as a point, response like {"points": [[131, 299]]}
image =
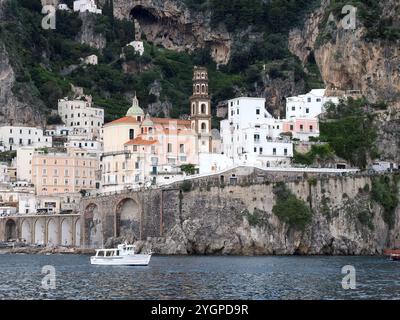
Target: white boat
{"points": [[124, 255]]}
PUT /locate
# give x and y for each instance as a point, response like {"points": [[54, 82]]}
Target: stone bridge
{"points": [[42, 229], [131, 215]]}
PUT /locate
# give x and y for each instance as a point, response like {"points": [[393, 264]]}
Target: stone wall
{"points": [[210, 216]]}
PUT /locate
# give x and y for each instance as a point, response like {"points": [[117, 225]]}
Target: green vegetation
{"points": [[40, 57], [186, 186], [189, 169], [257, 218], [365, 217], [321, 152], [369, 13], [385, 192], [289, 209], [7, 156], [349, 130]]}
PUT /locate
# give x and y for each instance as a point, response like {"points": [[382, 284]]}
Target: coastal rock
{"points": [[230, 222]]}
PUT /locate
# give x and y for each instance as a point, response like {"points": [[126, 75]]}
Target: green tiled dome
{"points": [[135, 110]]}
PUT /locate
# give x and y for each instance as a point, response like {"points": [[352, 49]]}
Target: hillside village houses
{"points": [[54, 166]]}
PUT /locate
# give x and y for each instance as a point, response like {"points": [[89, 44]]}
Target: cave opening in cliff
{"points": [[143, 15]]}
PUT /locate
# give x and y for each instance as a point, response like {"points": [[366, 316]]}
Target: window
{"points": [[169, 147], [237, 111], [285, 152], [307, 110], [293, 108], [261, 150], [203, 127], [257, 111], [256, 138], [203, 108], [301, 127], [311, 128], [318, 99], [291, 127], [308, 99], [137, 165], [274, 151], [131, 134], [182, 148], [255, 149]]}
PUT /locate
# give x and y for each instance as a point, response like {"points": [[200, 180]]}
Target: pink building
{"points": [[68, 172], [302, 128]]}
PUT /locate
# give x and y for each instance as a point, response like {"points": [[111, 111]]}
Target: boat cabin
{"points": [[122, 250]]}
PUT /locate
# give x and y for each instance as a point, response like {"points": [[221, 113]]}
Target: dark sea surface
{"points": [[181, 277]]}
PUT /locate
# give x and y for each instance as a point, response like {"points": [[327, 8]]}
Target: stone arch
{"points": [[93, 230], [26, 231], [127, 219], [52, 232], [39, 231], [78, 232], [11, 230], [66, 232]]}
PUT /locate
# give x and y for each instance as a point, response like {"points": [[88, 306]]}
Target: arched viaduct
{"points": [[51, 230]]}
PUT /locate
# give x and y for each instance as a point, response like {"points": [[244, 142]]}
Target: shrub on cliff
{"points": [[289, 209], [186, 186], [384, 192]]}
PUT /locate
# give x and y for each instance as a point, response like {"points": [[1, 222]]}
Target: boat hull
{"points": [[132, 260]]}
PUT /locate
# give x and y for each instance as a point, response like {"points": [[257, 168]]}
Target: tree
{"points": [[189, 169]]}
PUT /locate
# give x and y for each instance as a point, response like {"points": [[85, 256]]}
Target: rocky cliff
{"points": [[17, 105], [240, 220], [347, 59], [172, 25]]}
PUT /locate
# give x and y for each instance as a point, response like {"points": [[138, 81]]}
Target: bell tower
{"points": [[200, 109]]}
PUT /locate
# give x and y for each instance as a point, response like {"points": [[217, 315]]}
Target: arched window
{"points": [[193, 108], [203, 88], [203, 127], [198, 88], [203, 108]]}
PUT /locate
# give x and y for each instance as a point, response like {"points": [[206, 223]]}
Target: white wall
{"points": [[24, 163], [13, 137], [309, 105]]}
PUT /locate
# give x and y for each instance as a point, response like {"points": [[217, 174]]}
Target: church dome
{"points": [[147, 121], [135, 110]]}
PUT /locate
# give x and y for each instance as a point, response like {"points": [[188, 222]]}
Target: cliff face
{"points": [[87, 35], [239, 220], [170, 24], [17, 110], [348, 61]]}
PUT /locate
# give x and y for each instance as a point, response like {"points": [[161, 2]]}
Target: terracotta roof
{"points": [[122, 120], [140, 141], [170, 120]]}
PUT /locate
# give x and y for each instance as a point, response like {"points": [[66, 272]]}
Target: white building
{"points": [[24, 163], [138, 46], [4, 176], [63, 7], [79, 113], [86, 6], [92, 60], [27, 203], [89, 145], [13, 138], [309, 105], [251, 135]]}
